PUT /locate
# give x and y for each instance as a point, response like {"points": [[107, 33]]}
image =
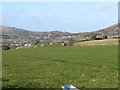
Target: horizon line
{"points": [[56, 30]]}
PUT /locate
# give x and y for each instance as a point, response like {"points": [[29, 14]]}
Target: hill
{"points": [[13, 33], [23, 33], [110, 31]]}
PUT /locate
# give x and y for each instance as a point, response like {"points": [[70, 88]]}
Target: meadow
{"points": [[98, 42], [54, 66]]}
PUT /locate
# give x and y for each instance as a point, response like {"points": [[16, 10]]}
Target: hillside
{"points": [[17, 33], [110, 31], [14, 32]]}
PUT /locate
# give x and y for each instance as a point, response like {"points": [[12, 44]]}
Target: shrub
{"points": [[5, 47], [105, 37], [13, 47]]}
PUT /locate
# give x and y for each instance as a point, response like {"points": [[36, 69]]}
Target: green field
{"points": [[54, 66]]}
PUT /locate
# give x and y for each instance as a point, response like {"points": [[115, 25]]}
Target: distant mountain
{"points": [[111, 30], [23, 33], [15, 33]]}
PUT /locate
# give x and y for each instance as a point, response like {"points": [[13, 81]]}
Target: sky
{"points": [[71, 17]]}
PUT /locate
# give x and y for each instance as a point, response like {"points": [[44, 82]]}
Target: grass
{"points": [[54, 66], [98, 42]]}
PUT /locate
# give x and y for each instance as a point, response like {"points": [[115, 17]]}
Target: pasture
{"points": [[98, 42], [54, 66]]}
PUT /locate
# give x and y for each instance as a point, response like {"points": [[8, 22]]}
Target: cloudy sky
{"points": [[62, 16]]}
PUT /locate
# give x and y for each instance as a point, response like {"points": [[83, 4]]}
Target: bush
{"points": [[5, 47], [13, 47], [105, 37]]}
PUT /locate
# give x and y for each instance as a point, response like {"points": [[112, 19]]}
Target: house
{"points": [[27, 45], [99, 37]]}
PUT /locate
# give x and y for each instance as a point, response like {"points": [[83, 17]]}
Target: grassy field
{"points": [[54, 66], [98, 42]]}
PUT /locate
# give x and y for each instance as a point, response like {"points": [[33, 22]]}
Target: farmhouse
{"points": [[99, 37]]}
